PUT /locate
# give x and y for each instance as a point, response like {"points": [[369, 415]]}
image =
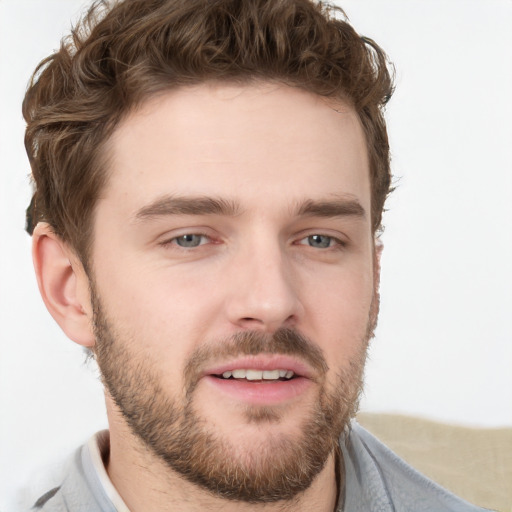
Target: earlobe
{"points": [[63, 285]]}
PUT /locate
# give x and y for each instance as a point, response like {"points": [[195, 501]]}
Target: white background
{"points": [[444, 345]]}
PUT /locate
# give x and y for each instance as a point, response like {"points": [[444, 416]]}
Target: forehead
{"points": [[249, 143]]}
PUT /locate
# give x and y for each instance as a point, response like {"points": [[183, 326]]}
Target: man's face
{"points": [[233, 280]]}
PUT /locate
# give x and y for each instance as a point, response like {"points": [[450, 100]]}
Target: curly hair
{"points": [[123, 52]]}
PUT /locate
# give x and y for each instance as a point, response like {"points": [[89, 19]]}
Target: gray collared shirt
{"points": [[376, 480]]}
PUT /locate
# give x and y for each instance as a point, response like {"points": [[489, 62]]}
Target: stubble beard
{"points": [[277, 469]]}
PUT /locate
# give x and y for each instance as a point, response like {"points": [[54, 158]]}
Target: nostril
{"points": [[265, 325]]}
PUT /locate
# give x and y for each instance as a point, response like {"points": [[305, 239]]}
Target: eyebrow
{"points": [[204, 205], [340, 207], [190, 205]]}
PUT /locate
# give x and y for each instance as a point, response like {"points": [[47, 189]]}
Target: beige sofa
{"points": [[475, 464]]}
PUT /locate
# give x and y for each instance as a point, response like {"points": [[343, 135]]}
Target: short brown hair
{"points": [[123, 52]]}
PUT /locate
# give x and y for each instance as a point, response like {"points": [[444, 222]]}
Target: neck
{"points": [[147, 484]]}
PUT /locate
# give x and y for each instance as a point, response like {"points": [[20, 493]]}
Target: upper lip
{"points": [[262, 362]]}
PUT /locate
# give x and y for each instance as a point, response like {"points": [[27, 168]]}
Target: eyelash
{"points": [[174, 240], [334, 243]]}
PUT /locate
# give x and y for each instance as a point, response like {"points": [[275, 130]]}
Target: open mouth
{"points": [[264, 379], [257, 375], [259, 386]]}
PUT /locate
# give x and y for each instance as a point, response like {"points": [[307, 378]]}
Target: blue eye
{"points": [[189, 240], [320, 241]]}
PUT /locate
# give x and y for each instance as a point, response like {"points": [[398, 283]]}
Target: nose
{"points": [[264, 290]]}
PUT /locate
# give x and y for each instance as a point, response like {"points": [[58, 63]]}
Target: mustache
{"points": [[284, 341]]}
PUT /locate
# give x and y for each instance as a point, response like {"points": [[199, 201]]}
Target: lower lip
{"points": [[260, 392]]}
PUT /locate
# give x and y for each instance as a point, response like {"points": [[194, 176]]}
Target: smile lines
{"points": [[258, 374]]}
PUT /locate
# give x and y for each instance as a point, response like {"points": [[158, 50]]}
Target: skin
{"points": [[266, 149]]}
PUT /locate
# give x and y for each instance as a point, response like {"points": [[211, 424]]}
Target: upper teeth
{"points": [[258, 374]]}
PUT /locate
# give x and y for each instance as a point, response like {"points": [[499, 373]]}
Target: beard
{"points": [[277, 468]]}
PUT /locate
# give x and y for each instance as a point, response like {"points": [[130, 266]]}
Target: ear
{"points": [[377, 253], [375, 307], [63, 284]]}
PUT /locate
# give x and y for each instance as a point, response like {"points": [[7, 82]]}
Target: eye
{"points": [[320, 241], [190, 240]]}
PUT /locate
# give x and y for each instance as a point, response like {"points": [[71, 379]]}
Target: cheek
{"points": [[160, 315], [338, 312], [151, 293]]}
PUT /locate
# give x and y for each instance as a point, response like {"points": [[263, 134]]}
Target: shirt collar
{"points": [[97, 451]]}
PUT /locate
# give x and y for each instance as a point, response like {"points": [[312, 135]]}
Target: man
{"points": [[209, 184]]}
